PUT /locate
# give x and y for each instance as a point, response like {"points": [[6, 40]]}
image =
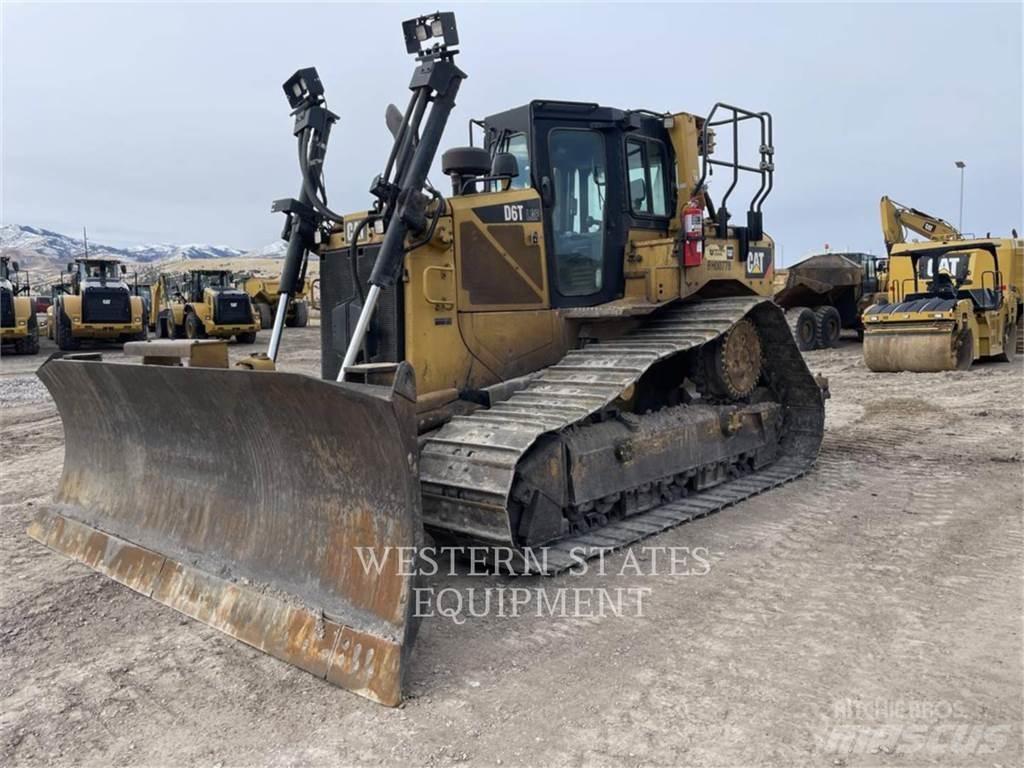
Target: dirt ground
{"points": [[868, 614]]}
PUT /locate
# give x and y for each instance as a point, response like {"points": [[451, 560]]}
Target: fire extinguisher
{"points": [[693, 234]]}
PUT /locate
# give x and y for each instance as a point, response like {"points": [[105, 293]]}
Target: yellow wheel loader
{"points": [[200, 304], [94, 303], [573, 349], [951, 300], [265, 293], [145, 292], [18, 324]]}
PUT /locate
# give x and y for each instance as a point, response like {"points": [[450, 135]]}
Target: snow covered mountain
{"points": [[41, 248]]}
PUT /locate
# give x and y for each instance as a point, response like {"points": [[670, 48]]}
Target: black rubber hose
{"points": [[313, 190]]}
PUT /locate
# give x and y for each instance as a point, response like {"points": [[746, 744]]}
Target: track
{"points": [[468, 468]]}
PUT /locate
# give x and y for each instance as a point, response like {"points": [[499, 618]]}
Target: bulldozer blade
{"points": [[921, 350], [281, 509]]}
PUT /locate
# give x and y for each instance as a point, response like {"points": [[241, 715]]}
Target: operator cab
{"points": [[8, 270], [91, 271], [959, 271], [599, 172], [214, 279]]}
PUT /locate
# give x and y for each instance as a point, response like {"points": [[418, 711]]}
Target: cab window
{"points": [[516, 145], [646, 165], [955, 264], [578, 216]]}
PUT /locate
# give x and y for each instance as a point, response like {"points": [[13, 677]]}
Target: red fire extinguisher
{"points": [[693, 233]]}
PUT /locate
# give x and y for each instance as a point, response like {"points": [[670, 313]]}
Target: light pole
{"points": [[961, 165]]}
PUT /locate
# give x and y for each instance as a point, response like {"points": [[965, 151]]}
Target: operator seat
{"points": [[943, 286]]}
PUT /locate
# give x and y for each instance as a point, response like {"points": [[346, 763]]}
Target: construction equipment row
{"points": [[952, 299]]}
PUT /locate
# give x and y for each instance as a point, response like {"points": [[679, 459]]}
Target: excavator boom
{"points": [[898, 218]]}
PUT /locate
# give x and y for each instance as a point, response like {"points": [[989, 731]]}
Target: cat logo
{"points": [[376, 226], [758, 262], [233, 304], [105, 301]]}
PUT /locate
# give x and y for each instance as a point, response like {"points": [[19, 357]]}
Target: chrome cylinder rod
{"points": [[275, 335], [356, 342]]}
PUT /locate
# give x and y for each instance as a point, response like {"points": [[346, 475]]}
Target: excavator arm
{"points": [[898, 218]]}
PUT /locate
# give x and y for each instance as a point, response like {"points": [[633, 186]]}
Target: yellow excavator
{"points": [[573, 349], [951, 301]]}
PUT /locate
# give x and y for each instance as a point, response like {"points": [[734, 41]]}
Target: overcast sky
{"points": [[167, 122]]}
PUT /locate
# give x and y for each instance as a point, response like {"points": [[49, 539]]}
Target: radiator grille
{"points": [[340, 310], [106, 305], [232, 309]]}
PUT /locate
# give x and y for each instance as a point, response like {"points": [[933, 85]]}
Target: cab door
{"points": [[579, 183]]}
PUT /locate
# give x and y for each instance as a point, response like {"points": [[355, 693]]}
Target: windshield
{"points": [[212, 280], [956, 265], [100, 270]]}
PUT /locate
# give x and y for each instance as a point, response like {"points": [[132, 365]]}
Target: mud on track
{"points": [[881, 592]]}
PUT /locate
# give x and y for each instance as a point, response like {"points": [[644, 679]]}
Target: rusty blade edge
{"points": [[361, 662]]}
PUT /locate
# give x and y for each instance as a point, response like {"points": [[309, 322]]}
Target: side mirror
{"points": [[71, 267], [547, 192], [124, 270], [14, 266]]}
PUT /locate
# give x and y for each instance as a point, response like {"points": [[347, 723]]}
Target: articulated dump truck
{"points": [[572, 350], [951, 300], [827, 292]]}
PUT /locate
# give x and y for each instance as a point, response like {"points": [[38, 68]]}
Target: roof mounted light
{"points": [[419, 33], [303, 88]]}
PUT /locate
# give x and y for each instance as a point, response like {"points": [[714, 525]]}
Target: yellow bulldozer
{"points": [[573, 349], [18, 324], [952, 300], [200, 304], [265, 293], [94, 302]]}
